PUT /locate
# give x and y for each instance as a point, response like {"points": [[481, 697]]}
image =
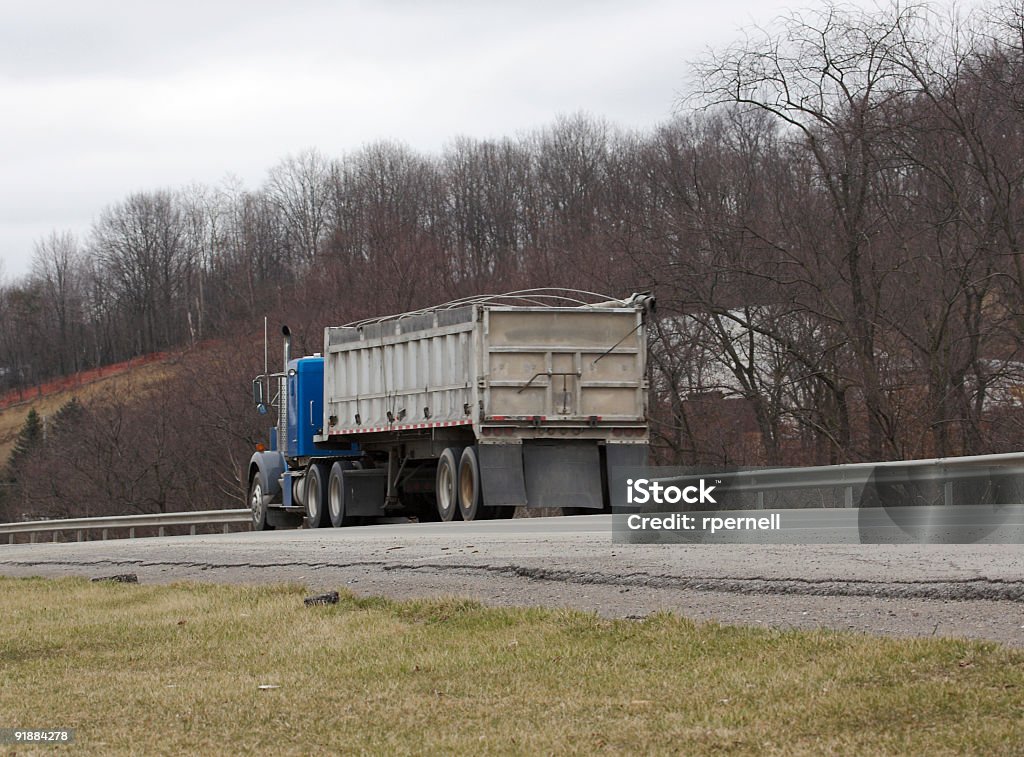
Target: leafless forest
{"points": [[832, 225]]}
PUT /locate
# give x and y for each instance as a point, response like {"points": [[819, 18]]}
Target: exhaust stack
{"points": [[282, 394]]}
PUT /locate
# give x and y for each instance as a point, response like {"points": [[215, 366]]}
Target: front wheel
{"points": [[258, 506]]}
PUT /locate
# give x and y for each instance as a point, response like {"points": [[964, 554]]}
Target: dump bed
{"points": [[486, 364]]}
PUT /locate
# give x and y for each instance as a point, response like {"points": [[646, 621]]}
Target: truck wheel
{"points": [[316, 496], [259, 509], [446, 486], [471, 497], [336, 495]]}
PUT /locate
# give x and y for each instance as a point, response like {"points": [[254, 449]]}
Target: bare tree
{"points": [[143, 247], [830, 79], [300, 189], [55, 265]]}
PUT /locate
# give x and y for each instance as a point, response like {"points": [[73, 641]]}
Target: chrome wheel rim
{"points": [[256, 503], [446, 488]]}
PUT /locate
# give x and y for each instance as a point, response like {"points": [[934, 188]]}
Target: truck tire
{"points": [[471, 496], [316, 496], [336, 495], [259, 508], [446, 486]]}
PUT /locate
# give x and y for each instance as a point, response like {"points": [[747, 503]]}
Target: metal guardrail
{"points": [[160, 521], [944, 471], [758, 481]]}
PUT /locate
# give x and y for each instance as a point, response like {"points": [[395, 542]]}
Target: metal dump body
{"points": [[523, 367]]}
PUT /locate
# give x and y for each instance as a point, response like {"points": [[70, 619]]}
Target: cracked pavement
{"points": [[974, 591]]}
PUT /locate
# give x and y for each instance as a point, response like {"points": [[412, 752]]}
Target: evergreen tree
{"points": [[29, 438], [65, 419]]}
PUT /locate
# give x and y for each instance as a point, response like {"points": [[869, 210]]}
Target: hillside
{"points": [[47, 399]]}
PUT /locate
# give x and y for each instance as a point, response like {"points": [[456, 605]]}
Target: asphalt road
{"points": [[974, 591]]}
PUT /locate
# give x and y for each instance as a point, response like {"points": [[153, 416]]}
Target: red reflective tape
{"points": [[402, 427]]}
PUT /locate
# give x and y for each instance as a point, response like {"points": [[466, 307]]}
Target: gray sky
{"points": [[107, 97]]}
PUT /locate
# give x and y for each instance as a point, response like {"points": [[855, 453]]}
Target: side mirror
{"points": [[257, 395]]}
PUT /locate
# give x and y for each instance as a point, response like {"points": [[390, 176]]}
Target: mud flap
{"points": [[501, 474], [563, 474], [624, 461], [365, 491]]}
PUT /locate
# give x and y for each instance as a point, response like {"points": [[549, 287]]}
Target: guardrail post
{"points": [[32, 538], [227, 528], [162, 531], [848, 496], [131, 533], [55, 535], [192, 530], [947, 494], [104, 534], [760, 500], [78, 535]]}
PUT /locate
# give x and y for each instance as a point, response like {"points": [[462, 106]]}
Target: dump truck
{"points": [[466, 410]]}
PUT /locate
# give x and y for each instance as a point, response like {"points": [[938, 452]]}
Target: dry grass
{"points": [[136, 379], [173, 670]]}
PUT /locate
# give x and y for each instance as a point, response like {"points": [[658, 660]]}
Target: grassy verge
{"points": [[178, 669]]}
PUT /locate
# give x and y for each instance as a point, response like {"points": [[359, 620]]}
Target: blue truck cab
{"points": [[305, 398], [305, 387], [276, 474]]}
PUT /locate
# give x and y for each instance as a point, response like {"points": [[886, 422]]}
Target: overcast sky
{"points": [[104, 98]]}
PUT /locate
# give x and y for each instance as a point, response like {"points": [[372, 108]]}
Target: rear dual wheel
{"points": [[336, 494], [471, 498], [468, 494], [316, 496], [446, 485]]}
